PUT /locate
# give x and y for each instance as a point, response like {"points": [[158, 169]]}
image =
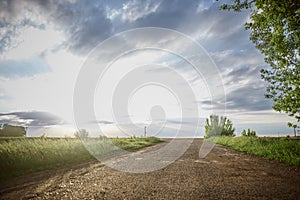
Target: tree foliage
{"points": [[249, 133], [275, 32], [294, 126], [7, 130], [81, 134], [218, 126]]}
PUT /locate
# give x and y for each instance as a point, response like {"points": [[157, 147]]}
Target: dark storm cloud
{"points": [[32, 118], [223, 30], [214, 29], [248, 98], [84, 24], [245, 98], [217, 29], [247, 89], [244, 73]]}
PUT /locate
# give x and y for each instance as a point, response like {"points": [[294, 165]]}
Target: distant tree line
{"points": [[7, 130]]}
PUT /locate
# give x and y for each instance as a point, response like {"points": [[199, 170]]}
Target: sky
{"points": [[118, 66]]}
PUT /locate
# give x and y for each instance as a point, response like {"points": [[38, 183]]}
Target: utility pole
{"points": [[145, 128]]}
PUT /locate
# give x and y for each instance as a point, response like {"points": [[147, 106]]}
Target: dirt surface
{"points": [[223, 174]]}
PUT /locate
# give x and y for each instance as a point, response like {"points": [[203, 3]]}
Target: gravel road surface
{"points": [[222, 174]]}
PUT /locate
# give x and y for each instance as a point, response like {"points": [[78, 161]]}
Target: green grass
{"points": [[23, 155], [282, 149], [134, 143]]}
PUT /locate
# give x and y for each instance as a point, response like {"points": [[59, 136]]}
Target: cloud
{"points": [[244, 98], [248, 98], [15, 15], [169, 14], [200, 19], [230, 59], [105, 122], [133, 10], [243, 74], [84, 25], [32, 118], [214, 29], [178, 121], [23, 68], [61, 32], [244, 89]]}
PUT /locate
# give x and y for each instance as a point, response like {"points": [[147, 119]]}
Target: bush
{"points": [[249, 133], [216, 126]]}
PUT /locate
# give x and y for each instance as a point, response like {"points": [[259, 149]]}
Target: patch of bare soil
{"points": [[223, 174]]}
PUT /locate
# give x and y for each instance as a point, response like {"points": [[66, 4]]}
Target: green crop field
{"points": [[23, 155]]}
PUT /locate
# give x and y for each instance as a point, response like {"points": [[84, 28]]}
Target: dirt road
{"points": [[223, 174]]}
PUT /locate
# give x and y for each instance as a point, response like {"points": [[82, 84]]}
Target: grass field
{"points": [[23, 155], [282, 149]]}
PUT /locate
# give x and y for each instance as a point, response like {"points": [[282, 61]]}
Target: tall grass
{"points": [[282, 149], [135, 143], [24, 155]]}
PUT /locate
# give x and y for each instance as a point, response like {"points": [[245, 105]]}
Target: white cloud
{"points": [[133, 10], [32, 42], [201, 7], [51, 91]]}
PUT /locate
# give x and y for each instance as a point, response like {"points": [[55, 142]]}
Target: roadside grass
{"points": [[19, 156], [285, 150], [135, 143]]}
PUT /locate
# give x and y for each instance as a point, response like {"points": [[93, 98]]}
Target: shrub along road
{"points": [[223, 174]]}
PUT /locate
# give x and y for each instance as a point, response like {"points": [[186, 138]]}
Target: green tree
{"points": [[244, 133], [7, 130], [274, 26], [216, 126], [81, 134], [249, 133], [294, 126]]}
